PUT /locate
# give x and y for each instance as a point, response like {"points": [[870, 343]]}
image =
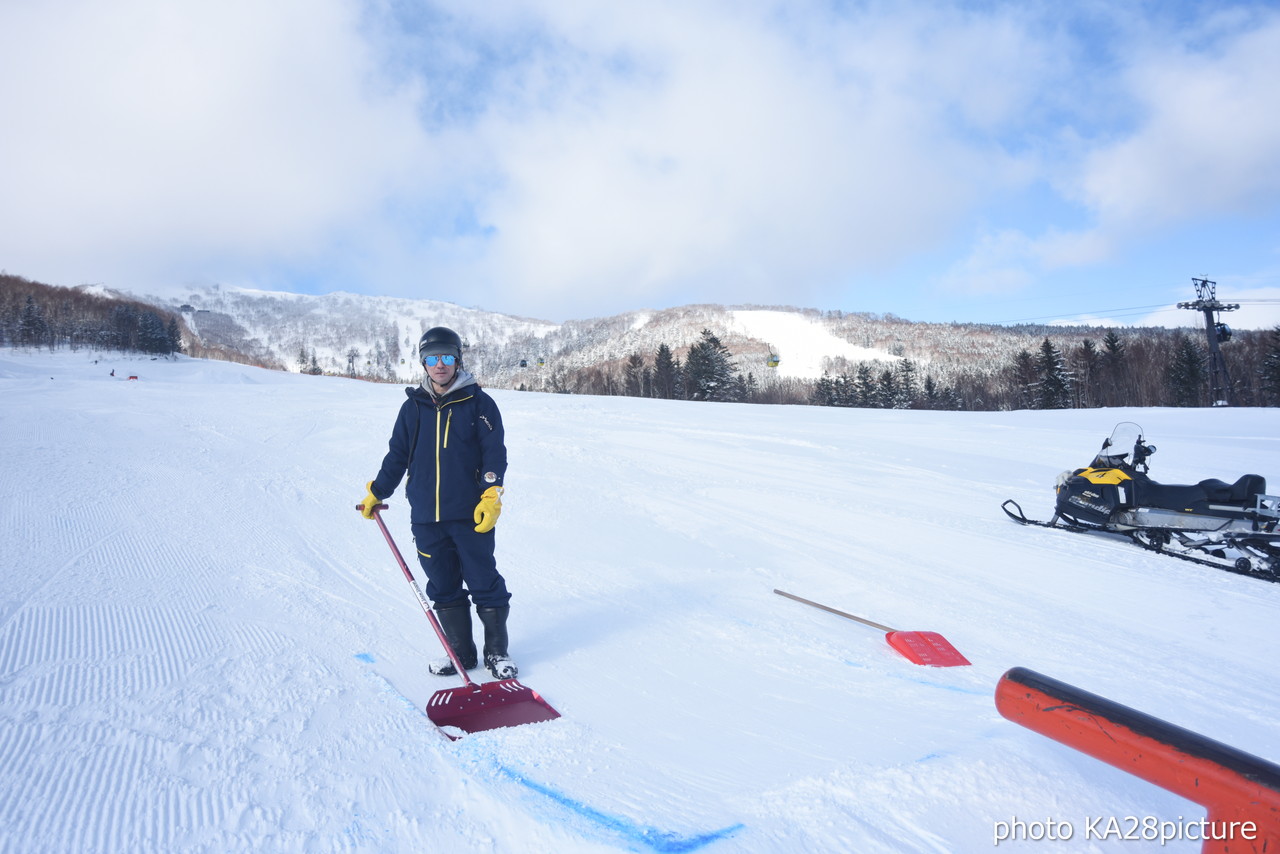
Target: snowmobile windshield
{"points": [[1121, 449]]}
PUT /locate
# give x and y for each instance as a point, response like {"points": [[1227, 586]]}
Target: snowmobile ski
{"points": [[1239, 566], [1231, 526]]}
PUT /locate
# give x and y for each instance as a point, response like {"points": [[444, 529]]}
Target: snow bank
{"points": [[203, 647]]}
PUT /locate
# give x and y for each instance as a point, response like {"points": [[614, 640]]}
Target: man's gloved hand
{"points": [[488, 510], [370, 501]]}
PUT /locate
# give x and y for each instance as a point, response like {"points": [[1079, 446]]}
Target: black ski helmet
{"points": [[440, 341]]}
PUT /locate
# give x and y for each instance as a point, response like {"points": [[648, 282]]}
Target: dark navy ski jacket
{"points": [[447, 446]]}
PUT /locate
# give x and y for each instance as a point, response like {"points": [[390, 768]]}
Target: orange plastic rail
{"points": [[1240, 792]]}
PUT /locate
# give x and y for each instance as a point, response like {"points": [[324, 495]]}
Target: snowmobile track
{"points": [[1022, 519]]}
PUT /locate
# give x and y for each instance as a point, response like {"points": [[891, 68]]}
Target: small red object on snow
{"points": [[928, 648]]}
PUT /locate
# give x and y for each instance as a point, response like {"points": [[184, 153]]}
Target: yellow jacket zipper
{"points": [[442, 442]]}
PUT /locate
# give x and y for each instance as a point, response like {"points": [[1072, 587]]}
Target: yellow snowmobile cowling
{"points": [[1105, 476]]}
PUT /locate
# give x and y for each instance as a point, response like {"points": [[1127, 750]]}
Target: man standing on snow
{"points": [[449, 438]]}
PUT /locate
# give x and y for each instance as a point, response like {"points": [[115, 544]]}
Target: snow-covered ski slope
{"points": [[203, 647]]}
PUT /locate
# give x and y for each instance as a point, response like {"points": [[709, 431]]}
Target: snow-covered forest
{"points": [[33, 315], [759, 354]]}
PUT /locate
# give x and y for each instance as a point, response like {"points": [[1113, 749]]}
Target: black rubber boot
{"points": [[456, 623], [496, 659]]}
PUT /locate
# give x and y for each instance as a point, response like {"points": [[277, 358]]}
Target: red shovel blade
{"points": [[928, 648], [485, 706]]}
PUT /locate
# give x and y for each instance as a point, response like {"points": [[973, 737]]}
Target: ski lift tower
{"points": [[1218, 333]]}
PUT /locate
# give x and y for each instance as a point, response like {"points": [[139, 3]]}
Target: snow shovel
{"points": [[473, 707], [928, 648]]}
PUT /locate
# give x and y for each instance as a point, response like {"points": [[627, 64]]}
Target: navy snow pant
{"points": [[457, 560]]}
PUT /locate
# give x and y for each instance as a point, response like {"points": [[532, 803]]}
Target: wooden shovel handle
{"points": [[834, 611]]}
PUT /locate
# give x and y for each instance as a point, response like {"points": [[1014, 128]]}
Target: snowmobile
{"points": [[1233, 526]]}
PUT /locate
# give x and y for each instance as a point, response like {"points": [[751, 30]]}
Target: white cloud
{"points": [[554, 158], [748, 158], [1204, 144], [173, 135], [1208, 141], [1009, 261]]}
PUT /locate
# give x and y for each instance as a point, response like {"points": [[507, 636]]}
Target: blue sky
{"points": [[966, 161]]}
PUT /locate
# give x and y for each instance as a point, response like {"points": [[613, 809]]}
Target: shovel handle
{"points": [[422, 599], [834, 611]]}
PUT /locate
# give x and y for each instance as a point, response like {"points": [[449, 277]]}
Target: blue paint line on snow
{"points": [[379, 679], [661, 841], [955, 688], [366, 657], [664, 842], [972, 692]]}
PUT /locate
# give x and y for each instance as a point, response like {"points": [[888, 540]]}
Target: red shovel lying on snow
{"points": [[929, 648], [471, 708]]}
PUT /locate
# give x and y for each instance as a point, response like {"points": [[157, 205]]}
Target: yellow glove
{"points": [[370, 501], [488, 510]]}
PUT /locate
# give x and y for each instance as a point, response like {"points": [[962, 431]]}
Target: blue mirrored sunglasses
{"points": [[432, 361]]}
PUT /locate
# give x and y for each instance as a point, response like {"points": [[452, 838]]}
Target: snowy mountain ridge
{"points": [[777, 354], [350, 333]]}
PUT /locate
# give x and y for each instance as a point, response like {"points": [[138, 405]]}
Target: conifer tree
{"points": [[174, 335], [1053, 389], [32, 328], [1186, 373], [1270, 371], [1024, 379], [709, 373], [152, 337], [664, 373], [632, 372], [1114, 366], [906, 384], [886, 390], [1087, 364], [824, 391], [846, 390], [866, 385], [931, 395]]}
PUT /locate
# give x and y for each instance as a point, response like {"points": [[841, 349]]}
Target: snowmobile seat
{"points": [[1240, 492], [1148, 493]]}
